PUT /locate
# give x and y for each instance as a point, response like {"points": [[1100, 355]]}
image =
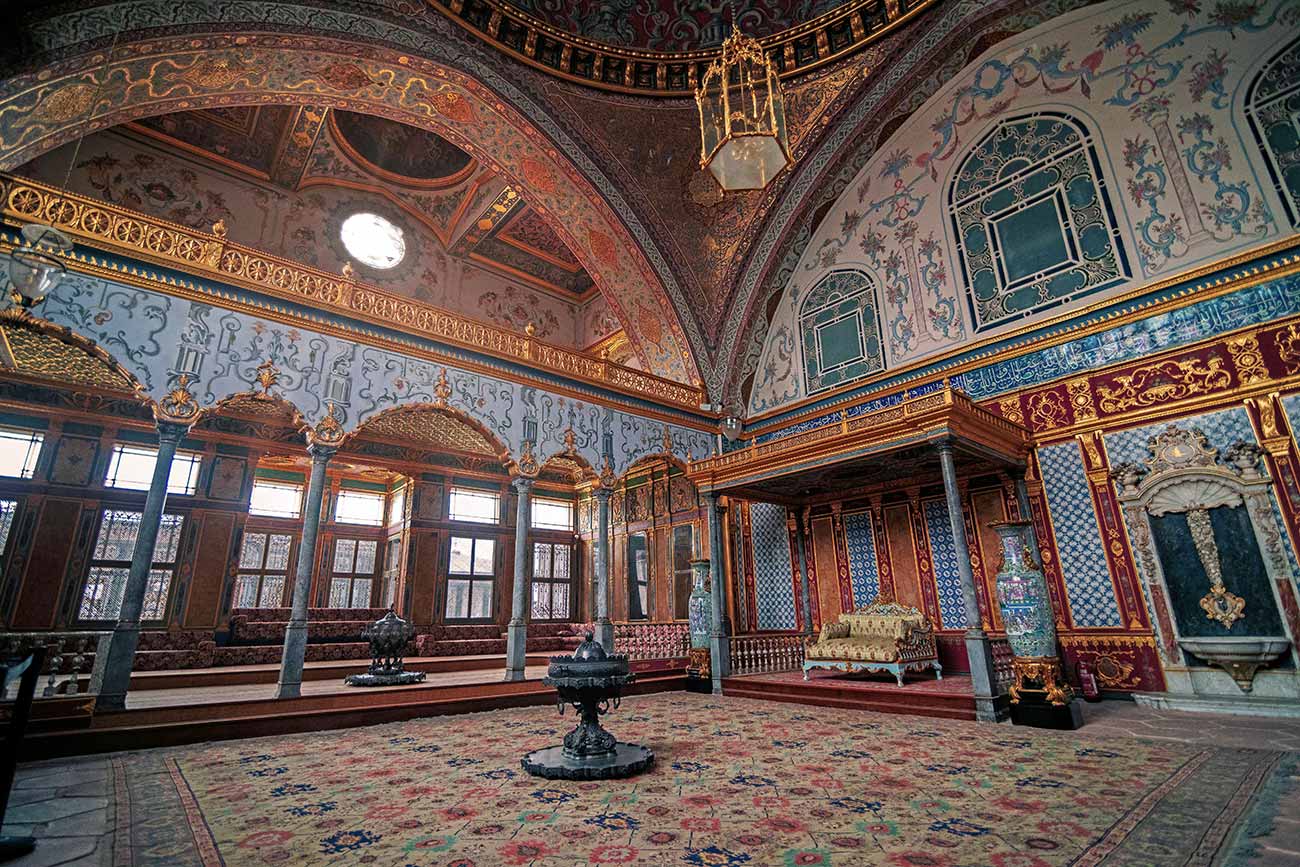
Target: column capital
{"points": [[521, 484], [943, 446], [603, 494], [321, 453], [172, 431]]}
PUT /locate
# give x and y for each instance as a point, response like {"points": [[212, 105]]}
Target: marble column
{"points": [[978, 651], [604, 628], [719, 644], [295, 634], [517, 631], [805, 599], [114, 659], [1026, 510]]}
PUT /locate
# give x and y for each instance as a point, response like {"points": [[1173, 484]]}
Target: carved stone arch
{"points": [[431, 426], [1032, 220], [207, 68], [37, 349], [838, 321], [1272, 106]]}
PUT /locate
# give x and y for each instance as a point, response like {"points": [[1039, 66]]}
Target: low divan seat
{"points": [[882, 637]]}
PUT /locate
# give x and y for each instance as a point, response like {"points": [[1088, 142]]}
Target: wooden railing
{"points": [[670, 640], [67, 655], [761, 654]]}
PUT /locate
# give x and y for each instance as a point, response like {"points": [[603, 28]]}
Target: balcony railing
{"points": [[67, 655], [763, 654]]}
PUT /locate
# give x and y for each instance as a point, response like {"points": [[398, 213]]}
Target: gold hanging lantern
{"points": [[743, 139]]}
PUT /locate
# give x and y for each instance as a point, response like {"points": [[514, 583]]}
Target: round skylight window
{"points": [[373, 240]]}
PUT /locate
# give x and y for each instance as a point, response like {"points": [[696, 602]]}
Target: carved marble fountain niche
{"points": [[1213, 567]]}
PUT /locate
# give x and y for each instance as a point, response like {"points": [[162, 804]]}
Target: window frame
{"points": [[353, 494], [167, 566], [457, 491], [635, 586], [682, 601], [549, 581], [35, 445], [533, 523], [470, 579], [179, 460], [261, 573], [352, 576], [277, 483]]}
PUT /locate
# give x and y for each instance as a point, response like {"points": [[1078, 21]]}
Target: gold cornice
{"points": [[1189, 295], [108, 227], [641, 66]]}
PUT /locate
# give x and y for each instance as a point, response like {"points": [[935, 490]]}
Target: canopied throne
{"points": [[882, 636]]}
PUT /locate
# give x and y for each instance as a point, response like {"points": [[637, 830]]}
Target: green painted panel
{"points": [[1032, 240], [840, 342]]}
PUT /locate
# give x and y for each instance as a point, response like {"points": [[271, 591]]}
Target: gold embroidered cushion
{"points": [[857, 649], [834, 630]]}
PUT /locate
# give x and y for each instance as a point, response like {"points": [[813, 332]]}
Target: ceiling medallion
{"points": [[743, 139]]}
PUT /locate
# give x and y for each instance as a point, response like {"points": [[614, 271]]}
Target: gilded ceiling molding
{"points": [[109, 227], [152, 76], [797, 50]]}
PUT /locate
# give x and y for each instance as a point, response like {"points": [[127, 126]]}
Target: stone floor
{"points": [[67, 805]]}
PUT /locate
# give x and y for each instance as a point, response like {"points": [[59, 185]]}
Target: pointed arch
{"points": [[569, 463], [653, 457]]}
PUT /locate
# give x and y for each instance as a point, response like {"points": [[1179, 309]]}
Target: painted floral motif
{"points": [[1156, 87]]}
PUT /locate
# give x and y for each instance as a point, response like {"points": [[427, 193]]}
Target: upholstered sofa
{"points": [[883, 636]]}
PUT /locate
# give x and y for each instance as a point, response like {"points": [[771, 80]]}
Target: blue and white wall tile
{"points": [[863, 569], [1078, 537], [943, 553], [773, 574]]}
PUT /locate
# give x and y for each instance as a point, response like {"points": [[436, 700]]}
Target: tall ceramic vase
{"points": [[700, 617], [1027, 616]]}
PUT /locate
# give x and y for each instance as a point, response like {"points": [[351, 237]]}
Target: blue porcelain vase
{"points": [[1022, 594], [700, 608]]}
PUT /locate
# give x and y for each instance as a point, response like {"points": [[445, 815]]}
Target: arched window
{"points": [[841, 331], [1033, 220], [1273, 110]]}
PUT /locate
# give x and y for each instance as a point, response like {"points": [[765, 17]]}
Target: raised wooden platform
{"points": [[183, 715], [240, 675], [950, 698]]}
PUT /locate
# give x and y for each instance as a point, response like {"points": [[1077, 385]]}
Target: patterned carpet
{"points": [[737, 782]]}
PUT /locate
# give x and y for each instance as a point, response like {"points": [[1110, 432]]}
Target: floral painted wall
{"points": [[1117, 144], [303, 225]]}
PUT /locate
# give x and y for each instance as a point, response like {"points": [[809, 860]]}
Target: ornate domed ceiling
{"points": [[397, 151], [672, 25], [664, 46], [470, 211]]}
